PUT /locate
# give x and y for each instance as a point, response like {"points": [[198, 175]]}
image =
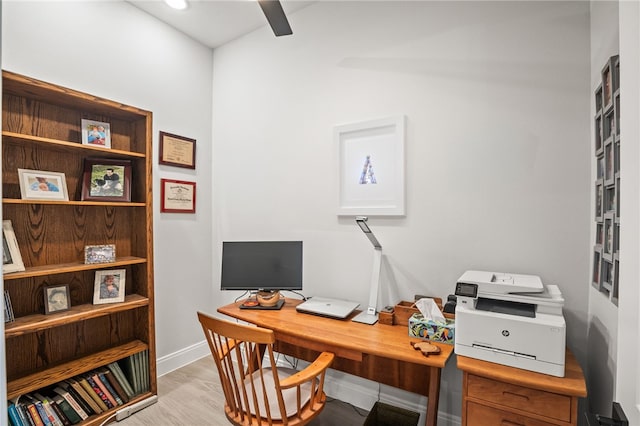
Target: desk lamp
{"points": [[370, 316]]}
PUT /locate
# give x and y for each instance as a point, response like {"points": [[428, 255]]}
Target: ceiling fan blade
{"points": [[275, 16]]}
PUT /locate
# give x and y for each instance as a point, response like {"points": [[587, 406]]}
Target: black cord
{"points": [[299, 294]]}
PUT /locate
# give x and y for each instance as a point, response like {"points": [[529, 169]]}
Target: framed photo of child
{"points": [[96, 133], [109, 286]]}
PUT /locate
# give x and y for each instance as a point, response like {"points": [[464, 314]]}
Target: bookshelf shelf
{"points": [[38, 322], [55, 144], [72, 203], [54, 374], [64, 268], [42, 130]]}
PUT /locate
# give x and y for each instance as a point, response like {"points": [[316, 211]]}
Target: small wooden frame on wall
{"points": [[177, 151], [177, 196]]}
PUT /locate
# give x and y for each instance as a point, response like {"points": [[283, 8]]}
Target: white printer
{"points": [[511, 319]]}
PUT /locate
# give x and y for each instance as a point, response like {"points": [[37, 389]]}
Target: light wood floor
{"points": [[192, 396]]}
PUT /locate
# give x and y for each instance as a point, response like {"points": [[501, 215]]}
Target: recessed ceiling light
{"points": [[177, 4]]}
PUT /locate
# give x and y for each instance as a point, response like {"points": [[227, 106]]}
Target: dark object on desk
{"points": [[450, 306], [245, 360], [387, 415], [618, 417], [252, 304]]}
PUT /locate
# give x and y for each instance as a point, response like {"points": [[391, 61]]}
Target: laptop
{"points": [[334, 308]]}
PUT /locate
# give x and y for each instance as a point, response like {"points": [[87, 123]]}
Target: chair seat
{"points": [[289, 395]]}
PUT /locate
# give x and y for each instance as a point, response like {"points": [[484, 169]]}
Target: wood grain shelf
{"points": [[37, 322], [64, 268], [56, 144], [54, 374], [73, 203]]}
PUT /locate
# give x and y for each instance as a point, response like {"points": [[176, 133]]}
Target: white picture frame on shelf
{"points": [[96, 133], [109, 286], [42, 185], [371, 178], [11, 257]]}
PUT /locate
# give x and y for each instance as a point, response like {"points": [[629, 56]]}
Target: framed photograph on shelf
{"points": [[177, 196], [108, 286], [42, 185], [96, 133], [106, 179], [11, 258], [100, 254], [177, 151], [370, 158], [56, 298]]}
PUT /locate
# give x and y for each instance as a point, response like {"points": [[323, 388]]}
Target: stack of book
{"points": [[73, 400]]}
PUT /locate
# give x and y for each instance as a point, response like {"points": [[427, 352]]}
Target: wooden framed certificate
{"points": [[177, 196], [177, 151]]}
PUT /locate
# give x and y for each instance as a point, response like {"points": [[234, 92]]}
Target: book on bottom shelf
{"points": [[114, 367], [116, 388], [69, 412], [64, 393]]}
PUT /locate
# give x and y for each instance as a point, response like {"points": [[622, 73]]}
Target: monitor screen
{"points": [[261, 265]]}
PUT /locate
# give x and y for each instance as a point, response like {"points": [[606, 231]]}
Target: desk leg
{"points": [[434, 395]]}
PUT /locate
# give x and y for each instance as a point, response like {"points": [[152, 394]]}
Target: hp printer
{"points": [[510, 319]]}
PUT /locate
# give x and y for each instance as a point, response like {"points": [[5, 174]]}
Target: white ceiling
{"points": [[215, 22]]}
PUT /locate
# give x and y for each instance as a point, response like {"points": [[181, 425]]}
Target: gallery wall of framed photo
{"points": [[606, 264], [78, 238], [177, 196]]}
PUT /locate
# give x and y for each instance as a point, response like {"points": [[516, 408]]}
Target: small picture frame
{"points": [[96, 133], [597, 265], [56, 299], [42, 185], [177, 196], [11, 258], [177, 151], [99, 254], [109, 286], [106, 179]]}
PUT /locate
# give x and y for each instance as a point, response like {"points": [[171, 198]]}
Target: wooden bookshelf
{"points": [[41, 130]]}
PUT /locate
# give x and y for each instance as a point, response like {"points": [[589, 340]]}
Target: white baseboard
{"points": [[171, 362]]}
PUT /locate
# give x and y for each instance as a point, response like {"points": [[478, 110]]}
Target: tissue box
{"points": [[423, 328]]}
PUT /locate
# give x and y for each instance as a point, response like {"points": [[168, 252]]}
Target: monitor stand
{"points": [[270, 300]]}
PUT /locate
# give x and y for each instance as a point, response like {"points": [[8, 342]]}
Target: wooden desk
{"points": [[377, 352], [494, 394]]}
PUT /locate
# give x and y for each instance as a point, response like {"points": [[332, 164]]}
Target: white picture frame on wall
{"points": [[371, 167]]}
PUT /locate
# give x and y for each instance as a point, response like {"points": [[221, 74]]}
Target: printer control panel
{"points": [[467, 290]]}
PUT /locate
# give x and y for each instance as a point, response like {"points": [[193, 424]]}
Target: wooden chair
{"points": [[256, 391]]}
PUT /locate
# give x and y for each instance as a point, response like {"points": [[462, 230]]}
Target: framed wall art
{"points": [[371, 167], [106, 179], [177, 151], [11, 257], [177, 196], [42, 185]]}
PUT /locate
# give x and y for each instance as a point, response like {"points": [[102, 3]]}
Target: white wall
{"points": [[496, 96], [603, 315], [113, 50], [627, 386]]}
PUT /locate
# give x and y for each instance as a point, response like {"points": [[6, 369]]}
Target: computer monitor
{"points": [[261, 265]]}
